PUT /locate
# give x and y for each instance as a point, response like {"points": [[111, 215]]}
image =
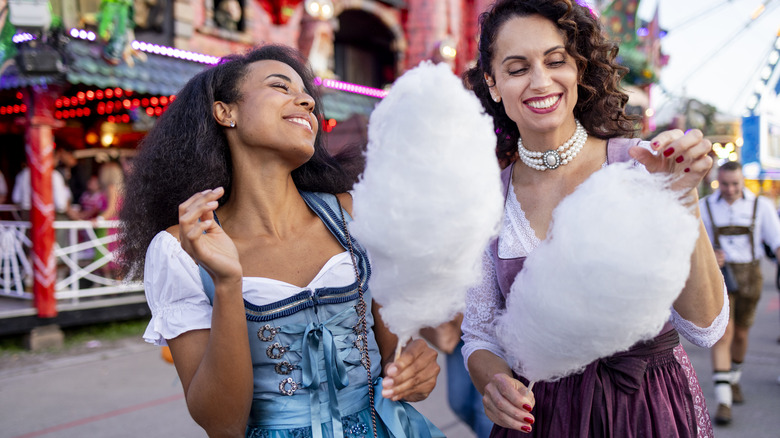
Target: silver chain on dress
{"points": [[365, 359]]}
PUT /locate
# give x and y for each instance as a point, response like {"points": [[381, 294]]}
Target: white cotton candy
{"points": [[616, 257], [429, 199]]}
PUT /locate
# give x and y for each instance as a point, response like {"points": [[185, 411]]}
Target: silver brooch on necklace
{"points": [[554, 158]]}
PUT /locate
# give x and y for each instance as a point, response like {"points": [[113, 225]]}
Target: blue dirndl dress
{"points": [[308, 369]]}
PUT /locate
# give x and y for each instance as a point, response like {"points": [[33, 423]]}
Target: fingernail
{"points": [[527, 407], [387, 382], [687, 169], [387, 393], [392, 369], [680, 159], [525, 428], [668, 151], [529, 420], [655, 144]]}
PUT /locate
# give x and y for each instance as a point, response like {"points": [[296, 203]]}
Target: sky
{"points": [[712, 56]]}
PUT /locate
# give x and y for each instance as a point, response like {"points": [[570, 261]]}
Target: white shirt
{"points": [[740, 213], [178, 303], [518, 239], [22, 193]]}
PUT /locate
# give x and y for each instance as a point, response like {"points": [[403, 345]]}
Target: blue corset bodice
{"points": [[308, 368]]}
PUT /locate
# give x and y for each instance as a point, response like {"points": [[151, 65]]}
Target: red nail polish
{"points": [[668, 151], [525, 428], [687, 169], [528, 420], [680, 159], [527, 407], [655, 144]]}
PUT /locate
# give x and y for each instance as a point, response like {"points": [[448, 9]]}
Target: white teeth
{"points": [[301, 121], [544, 104]]}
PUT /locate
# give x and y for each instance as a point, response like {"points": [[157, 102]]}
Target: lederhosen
{"points": [[747, 276]]}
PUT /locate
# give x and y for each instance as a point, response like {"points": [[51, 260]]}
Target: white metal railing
{"points": [[84, 265]]}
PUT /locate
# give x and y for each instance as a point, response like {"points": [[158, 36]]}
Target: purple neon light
{"points": [[351, 88], [208, 59], [22, 37]]}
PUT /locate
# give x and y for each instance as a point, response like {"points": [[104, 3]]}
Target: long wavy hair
{"points": [[601, 103], [187, 152]]}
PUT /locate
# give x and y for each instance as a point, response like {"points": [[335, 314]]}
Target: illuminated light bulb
{"points": [[740, 141], [447, 48], [327, 11], [107, 139], [773, 57], [757, 13], [649, 112]]}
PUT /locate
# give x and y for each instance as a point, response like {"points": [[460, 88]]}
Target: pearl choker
{"points": [[554, 158]]}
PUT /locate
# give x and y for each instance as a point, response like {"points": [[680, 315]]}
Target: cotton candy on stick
{"points": [[616, 257], [429, 199]]}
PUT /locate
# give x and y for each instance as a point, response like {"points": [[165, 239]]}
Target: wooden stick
{"points": [[400, 346]]}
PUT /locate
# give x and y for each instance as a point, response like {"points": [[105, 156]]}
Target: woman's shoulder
{"points": [[346, 201], [164, 249]]}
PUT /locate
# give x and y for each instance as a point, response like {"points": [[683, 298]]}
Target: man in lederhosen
{"points": [[742, 221]]}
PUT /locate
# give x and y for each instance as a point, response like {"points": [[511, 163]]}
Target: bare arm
{"points": [[507, 401], [686, 158], [215, 365]]}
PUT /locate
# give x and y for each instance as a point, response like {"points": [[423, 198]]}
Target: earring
{"points": [[232, 123]]}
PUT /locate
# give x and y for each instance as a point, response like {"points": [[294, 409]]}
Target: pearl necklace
{"points": [[554, 158]]}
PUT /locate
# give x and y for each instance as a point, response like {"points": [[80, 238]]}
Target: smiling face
{"points": [[535, 78], [275, 111], [731, 184]]}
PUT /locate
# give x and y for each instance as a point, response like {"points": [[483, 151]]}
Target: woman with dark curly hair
{"points": [[549, 78], [238, 217]]}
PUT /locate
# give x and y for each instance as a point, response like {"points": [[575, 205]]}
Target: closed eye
{"points": [[281, 85]]}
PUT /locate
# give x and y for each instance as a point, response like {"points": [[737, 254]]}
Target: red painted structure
{"points": [[40, 158]]}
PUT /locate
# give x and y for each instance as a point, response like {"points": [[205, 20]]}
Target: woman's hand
{"points": [[214, 250], [508, 403], [684, 156], [413, 376]]}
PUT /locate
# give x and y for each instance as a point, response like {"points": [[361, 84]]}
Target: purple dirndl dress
{"points": [[651, 390]]}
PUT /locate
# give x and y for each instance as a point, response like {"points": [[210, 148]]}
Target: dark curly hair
{"points": [[601, 103], [187, 152]]}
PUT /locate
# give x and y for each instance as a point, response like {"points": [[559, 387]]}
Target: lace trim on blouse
{"points": [[518, 239]]}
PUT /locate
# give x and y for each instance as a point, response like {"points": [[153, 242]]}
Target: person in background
{"points": [[550, 80], [463, 398], [22, 194], [91, 203], [737, 223]]}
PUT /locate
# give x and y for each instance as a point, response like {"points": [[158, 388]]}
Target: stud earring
{"points": [[232, 123]]}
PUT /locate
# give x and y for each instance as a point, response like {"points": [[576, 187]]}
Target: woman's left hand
{"points": [[684, 156], [413, 376]]}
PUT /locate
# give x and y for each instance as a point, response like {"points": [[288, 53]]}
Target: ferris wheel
{"points": [[761, 123]]}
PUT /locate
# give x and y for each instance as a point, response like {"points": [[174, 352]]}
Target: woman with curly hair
{"points": [[238, 218], [549, 78]]}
